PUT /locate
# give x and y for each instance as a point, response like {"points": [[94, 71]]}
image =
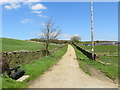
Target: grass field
{"points": [[110, 70], [35, 69], [106, 53], [17, 45]]}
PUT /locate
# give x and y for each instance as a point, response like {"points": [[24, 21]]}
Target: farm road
{"points": [[67, 74]]}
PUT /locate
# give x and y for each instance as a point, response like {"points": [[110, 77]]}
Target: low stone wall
{"points": [[88, 54], [13, 59]]}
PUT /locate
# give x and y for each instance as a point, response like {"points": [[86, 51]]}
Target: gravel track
{"points": [[67, 74]]}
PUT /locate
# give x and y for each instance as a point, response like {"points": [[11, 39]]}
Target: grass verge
{"points": [[35, 69], [109, 70]]}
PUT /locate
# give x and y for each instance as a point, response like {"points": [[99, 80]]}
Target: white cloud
{"points": [[27, 21], [62, 36], [32, 4], [38, 7], [37, 12], [11, 1], [8, 7], [6, 1], [68, 36], [32, 0], [52, 35], [12, 6], [42, 16]]}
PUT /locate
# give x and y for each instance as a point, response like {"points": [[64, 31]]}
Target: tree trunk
{"points": [[47, 45]]}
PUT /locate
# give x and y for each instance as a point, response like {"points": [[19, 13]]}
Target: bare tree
{"points": [[75, 38], [49, 31]]}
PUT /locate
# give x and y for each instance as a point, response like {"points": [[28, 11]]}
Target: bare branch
{"points": [[50, 31]]}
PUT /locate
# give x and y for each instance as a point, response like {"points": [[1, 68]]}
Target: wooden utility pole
{"points": [[92, 28]]}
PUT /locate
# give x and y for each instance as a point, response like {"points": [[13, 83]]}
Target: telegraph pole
{"points": [[92, 28]]}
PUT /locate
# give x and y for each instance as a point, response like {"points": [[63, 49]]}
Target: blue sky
{"points": [[25, 20]]}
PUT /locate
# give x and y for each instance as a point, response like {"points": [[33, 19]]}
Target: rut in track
{"points": [[67, 74]]}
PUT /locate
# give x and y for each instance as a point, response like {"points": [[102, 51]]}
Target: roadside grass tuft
{"points": [[35, 69]]}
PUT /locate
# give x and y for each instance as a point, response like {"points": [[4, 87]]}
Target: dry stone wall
{"points": [[88, 54], [12, 59]]}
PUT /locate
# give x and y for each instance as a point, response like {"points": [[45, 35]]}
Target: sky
{"points": [[24, 20]]}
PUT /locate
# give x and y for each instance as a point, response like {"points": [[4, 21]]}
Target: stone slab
{"points": [[23, 78]]}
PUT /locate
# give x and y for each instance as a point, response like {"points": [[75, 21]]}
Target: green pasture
{"points": [[18, 45], [106, 53]]}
